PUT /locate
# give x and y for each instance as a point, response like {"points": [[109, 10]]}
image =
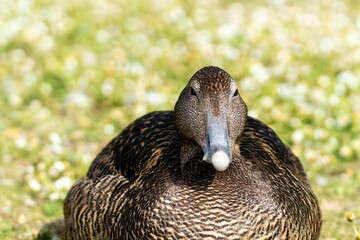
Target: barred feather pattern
{"points": [[136, 189]]}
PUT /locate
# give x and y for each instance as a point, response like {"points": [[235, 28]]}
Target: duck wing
{"points": [[260, 142], [137, 148]]}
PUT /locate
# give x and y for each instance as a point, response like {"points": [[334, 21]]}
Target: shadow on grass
{"points": [[53, 231]]}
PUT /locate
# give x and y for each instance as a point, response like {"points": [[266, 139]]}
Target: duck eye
{"points": [[236, 93], [192, 92]]}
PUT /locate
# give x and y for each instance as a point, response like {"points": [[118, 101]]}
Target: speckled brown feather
{"points": [[136, 189], [127, 204]]}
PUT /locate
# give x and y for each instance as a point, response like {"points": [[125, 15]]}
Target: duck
{"points": [[205, 170]]}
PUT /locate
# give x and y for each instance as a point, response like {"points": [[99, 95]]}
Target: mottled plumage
{"points": [[153, 182]]}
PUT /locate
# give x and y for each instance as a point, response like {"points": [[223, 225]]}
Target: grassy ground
{"points": [[74, 73]]}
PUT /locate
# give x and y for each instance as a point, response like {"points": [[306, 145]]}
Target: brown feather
{"points": [[137, 188]]}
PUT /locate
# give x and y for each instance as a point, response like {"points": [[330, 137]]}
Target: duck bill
{"points": [[217, 149]]}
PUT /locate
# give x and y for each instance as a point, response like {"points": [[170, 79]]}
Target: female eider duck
{"points": [[203, 171]]}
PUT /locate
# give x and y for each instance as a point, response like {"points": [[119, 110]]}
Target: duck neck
{"points": [[192, 164], [189, 152]]}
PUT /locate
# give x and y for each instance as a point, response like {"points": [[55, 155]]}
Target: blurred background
{"points": [[73, 74]]}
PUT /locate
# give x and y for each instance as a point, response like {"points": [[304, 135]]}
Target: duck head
{"points": [[211, 115]]}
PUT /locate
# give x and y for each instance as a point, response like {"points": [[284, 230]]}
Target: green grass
{"points": [[73, 74]]}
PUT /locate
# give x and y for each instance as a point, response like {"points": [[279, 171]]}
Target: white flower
{"points": [[107, 87], [227, 31], [70, 64], [34, 185], [297, 136], [260, 17], [21, 142], [334, 99], [36, 31], [55, 138], [78, 99], [56, 168], [63, 183], [54, 196], [267, 102], [56, 141], [345, 151], [260, 73], [319, 133], [89, 59], [154, 98], [22, 219], [103, 36], [109, 129]]}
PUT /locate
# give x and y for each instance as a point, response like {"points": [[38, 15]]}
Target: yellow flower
{"points": [[350, 216]]}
